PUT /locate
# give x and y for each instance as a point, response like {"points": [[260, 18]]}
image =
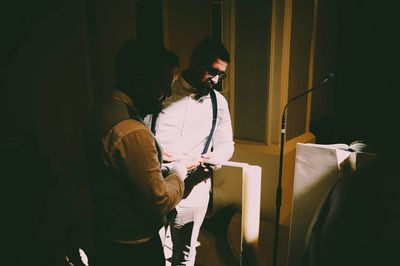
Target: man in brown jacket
{"points": [[132, 194]]}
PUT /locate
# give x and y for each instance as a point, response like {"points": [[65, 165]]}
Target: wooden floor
{"points": [[213, 249], [219, 241]]}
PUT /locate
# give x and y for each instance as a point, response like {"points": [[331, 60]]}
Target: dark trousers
{"points": [[111, 253]]}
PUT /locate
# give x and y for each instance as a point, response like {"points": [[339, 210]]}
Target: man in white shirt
{"points": [[183, 128]]}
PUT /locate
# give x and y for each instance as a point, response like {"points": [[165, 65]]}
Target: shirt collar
{"points": [[184, 88], [119, 95]]}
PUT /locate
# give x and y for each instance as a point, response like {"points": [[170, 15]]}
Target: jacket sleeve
{"points": [[133, 155]]}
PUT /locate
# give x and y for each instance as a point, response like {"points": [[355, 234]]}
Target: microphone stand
{"points": [[279, 187]]}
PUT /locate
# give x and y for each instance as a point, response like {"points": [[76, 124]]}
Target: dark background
{"points": [[55, 62]]}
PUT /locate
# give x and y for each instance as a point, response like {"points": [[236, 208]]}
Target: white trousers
{"points": [[185, 228]]}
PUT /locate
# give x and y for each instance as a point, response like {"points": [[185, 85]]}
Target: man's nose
{"points": [[215, 79]]}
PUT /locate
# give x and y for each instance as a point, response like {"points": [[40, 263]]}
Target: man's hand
{"points": [[168, 157], [207, 158], [202, 172], [190, 163]]}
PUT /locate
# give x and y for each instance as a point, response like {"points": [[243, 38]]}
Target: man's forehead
{"points": [[219, 64], [167, 73]]}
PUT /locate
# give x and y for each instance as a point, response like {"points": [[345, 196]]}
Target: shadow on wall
{"points": [[46, 216], [44, 96]]}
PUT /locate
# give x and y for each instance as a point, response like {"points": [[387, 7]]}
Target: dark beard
{"points": [[155, 109], [147, 105], [203, 89]]}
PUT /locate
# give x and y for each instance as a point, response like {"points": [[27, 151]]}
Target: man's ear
{"points": [[139, 84]]}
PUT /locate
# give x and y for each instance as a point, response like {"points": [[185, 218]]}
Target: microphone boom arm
{"points": [[278, 200]]}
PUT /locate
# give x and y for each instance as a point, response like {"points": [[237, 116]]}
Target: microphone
{"points": [[328, 77]]}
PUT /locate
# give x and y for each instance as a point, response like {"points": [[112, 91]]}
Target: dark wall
{"points": [[252, 39], [366, 48], [367, 76], [55, 60], [300, 47]]}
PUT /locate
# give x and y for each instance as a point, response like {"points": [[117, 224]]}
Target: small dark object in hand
{"points": [[202, 172]]}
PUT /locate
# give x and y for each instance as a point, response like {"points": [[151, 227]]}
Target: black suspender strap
{"points": [[214, 120], [153, 123], [214, 123]]}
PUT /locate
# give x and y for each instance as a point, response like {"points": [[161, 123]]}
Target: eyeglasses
{"points": [[212, 72]]}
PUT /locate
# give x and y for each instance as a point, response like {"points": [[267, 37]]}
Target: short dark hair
{"points": [[140, 59], [207, 50]]}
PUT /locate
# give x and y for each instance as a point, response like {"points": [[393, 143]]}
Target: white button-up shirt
{"points": [[184, 124]]}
